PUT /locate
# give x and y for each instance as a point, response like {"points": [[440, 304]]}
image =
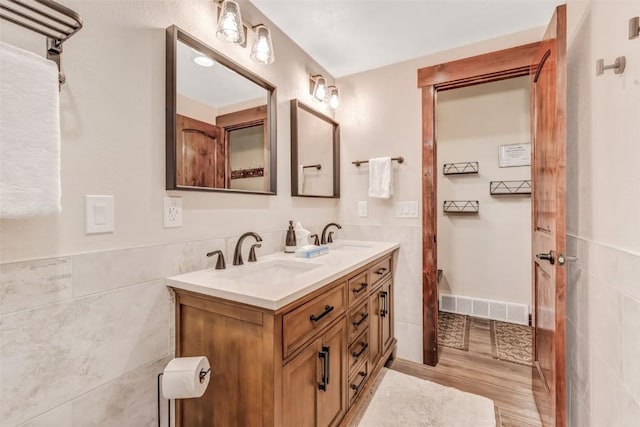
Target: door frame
{"points": [[485, 68]]}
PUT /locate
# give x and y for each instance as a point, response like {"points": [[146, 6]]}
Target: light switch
{"points": [[362, 209], [406, 209], [98, 214]]}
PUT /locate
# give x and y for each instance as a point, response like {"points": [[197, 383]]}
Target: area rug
{"points": [[405, 401], [511, 342], [453, 330]]}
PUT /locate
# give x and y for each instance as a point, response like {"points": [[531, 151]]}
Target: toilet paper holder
{"points": [[202, 377]]}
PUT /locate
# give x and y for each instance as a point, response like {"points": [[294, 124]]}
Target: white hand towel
{"points": [[380, 178], [301, 176], [29, 134]]}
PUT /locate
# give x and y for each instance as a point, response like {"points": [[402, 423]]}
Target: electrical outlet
{"points": [[172, 212]]}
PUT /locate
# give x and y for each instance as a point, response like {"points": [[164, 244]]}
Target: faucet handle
{"points": [[316, 239], [220, 264], [252, 252], [330, 237]]}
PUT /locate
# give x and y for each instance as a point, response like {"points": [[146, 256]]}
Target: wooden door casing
{"points": [[548, 101], [494, 66]]}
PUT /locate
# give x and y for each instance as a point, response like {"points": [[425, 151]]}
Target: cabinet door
{"points": [[315, 382], [332, 401], [300, 385], [375, 345], [386, 314]]}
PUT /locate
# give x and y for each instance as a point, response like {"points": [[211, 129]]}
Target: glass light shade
{"points": [[230, 27], [262, 50], [320, 89], [334, 97]]}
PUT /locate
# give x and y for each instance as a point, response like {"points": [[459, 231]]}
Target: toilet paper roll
{"points": [[182, 377]]}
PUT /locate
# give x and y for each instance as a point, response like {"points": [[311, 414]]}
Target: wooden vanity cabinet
{"points": [[305, 364]]}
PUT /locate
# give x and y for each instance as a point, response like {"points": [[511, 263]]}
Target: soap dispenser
{"points": [[290, 241]]}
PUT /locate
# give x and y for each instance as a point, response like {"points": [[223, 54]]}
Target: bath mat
{"points": [[405, 401], [511, 342], [453, 330]]}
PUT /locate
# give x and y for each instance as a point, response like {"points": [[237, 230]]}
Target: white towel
{"points": [[301, 176], [29, 134], [380, 178]]}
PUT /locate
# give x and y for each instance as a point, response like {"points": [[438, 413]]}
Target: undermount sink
{"points": [[268, 272], [348, 246]]}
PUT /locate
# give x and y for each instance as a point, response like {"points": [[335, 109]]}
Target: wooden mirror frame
{"points": [[173, 35], [295, 105]]}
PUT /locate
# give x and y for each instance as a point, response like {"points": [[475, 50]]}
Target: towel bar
{"points": [[395, 159]]}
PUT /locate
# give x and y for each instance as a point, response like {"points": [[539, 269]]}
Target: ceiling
{"points": [[350, 36]]}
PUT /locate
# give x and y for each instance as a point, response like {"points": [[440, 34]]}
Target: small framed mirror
{"points": [[315, 153], [221, 124]]}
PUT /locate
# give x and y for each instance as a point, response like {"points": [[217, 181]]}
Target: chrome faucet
{"points": [[220, 264], [324, 239], [237, 253]]}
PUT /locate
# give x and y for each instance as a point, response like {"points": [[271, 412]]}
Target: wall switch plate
{"points": [[172, 212], [362, 209], [98, 214], [406, 209]]}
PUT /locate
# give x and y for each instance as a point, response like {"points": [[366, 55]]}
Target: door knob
{"points": [[548, 257]]}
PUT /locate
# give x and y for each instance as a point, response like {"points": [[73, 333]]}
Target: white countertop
{"points": [[266, 284]]}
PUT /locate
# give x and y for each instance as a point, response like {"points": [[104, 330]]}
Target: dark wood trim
{"points": [[486, 68], [174, 33], [296, 104], [501, 64]]}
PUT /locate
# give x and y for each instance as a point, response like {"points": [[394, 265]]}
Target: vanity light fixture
{"points": [[230, 28], [334, 97], [320, 87], [262, 50]]}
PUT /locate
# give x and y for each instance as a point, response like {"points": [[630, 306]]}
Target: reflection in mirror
{"points": [[315, 153], [220, 121]]}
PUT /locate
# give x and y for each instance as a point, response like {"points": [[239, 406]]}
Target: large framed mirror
{"points": [[221, 121], [315, 153]]}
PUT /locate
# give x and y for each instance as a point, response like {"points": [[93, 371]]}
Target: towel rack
{"points": [[54, 21], [317, 166], [395, 159]]}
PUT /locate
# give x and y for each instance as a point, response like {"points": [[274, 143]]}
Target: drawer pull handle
{"points": [[385, 308], [362, 350], [381, 271], [362, 319], [324, 355], [327, 309], [362, 287], [364, 377]]}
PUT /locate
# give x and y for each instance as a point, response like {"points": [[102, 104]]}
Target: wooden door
{"points": [[300, 385], [313, 398], [386, 321], [548, 102], [332, 402], [200, 154], [375, 345]]}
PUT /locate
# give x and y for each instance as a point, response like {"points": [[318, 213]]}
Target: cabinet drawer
{"points": [[358, 320], [358, 288], [379, 271], [357, 381], [303, 322], [358, 351]]}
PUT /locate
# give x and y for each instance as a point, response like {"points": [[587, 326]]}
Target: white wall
{"points": [[381, 116], [86, 321], [484, 255], [603, 208]]}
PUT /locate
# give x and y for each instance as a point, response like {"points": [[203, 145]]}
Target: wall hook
{"points": [[617, 66], [634, 27]]}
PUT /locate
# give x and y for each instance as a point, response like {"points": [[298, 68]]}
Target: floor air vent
{"points": [[485, 308]]}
